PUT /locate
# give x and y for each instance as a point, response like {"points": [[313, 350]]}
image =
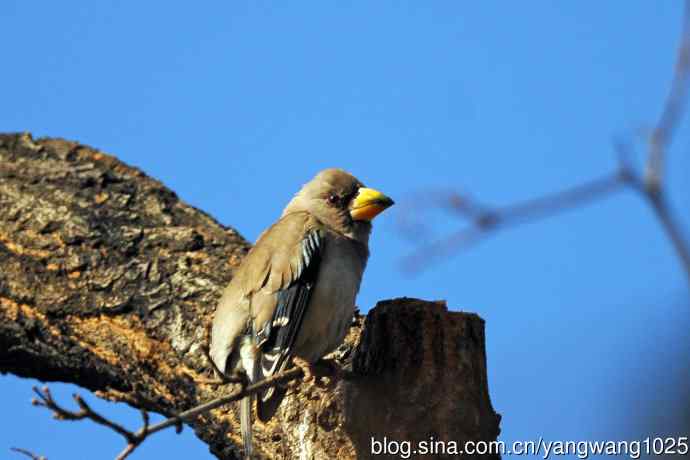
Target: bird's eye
{"points": [[333, 198]]}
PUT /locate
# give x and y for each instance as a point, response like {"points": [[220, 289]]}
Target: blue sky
{"points": [[235, 104]]}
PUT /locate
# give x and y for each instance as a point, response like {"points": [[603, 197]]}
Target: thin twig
{"points": [[486, 220], [673, 109], [28, 453], [282, 377], [548, 205], [672, 229], [493, 219], [134, 439], [45, 399], [661, 137]]}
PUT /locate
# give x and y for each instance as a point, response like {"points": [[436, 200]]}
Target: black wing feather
{"points": [[279, 334]]}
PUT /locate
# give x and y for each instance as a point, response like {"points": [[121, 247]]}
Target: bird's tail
{"points": [[266, 406], [268, 401], [248, 362], [246, 425]]}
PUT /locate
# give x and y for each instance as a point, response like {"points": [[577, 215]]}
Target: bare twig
{"points": [[135, 438], [660, 139], [656, 197], [45, 399], [490, 220], [673, 109], [670, 225], [486, 220], [28, 453]]}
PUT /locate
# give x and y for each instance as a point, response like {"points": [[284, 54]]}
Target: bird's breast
{"points": [[330, 310]]}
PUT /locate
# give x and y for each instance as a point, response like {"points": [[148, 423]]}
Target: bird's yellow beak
{"points": [[368, 204]]}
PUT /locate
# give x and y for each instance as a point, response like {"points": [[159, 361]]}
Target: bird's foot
{"points": [[211, 381], [307, 369], [237, 377], [223, 379], [331, 371]]}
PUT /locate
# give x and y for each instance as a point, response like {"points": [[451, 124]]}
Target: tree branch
{"points": [[673, 110], [134, 439], [28, 453], [109, 281], [486, 220]]}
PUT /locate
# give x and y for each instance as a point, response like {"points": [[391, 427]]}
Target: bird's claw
{"points": [[331, 371], [325, 373], [238, 377], [307, 370]]}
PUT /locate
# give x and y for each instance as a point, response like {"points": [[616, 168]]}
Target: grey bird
{"points": [[292, 299]]}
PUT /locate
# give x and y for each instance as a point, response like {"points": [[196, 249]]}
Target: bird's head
{"points": [[341, 201]]}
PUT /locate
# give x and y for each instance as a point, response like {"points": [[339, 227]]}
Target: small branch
{"points": [[45, 399], [673, 109], [485, 221], [656, 197], [661, 137], [134, 439], [28, 453], [283, 377], [672, 229], [657, 200], [549, 205], [489, 220]]}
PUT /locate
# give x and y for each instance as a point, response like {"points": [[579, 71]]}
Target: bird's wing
{"points": [[295, 278], [283, 269], [270, 290]]}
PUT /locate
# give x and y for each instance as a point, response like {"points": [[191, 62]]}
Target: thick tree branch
{"points": [[109, 281]]}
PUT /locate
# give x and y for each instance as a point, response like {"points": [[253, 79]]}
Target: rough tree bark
{"points": [[108, 280]]}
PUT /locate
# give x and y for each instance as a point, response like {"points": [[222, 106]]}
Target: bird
{"points": [[292, 299]]}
